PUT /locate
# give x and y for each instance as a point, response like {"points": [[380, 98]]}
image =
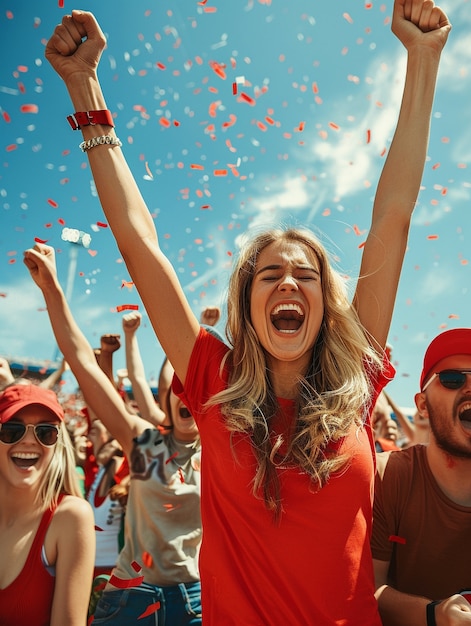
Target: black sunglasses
{"points": [[13, 432], [450, 379]]}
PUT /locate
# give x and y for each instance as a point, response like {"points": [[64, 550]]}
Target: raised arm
{"points": [[99, 392], [74, 51], [423, 29], [143, 395]]}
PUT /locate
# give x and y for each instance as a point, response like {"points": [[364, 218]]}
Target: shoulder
{"points": [[72, 510], [399, 463]]}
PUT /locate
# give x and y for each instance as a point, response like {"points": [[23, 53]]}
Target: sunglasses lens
{"points": [[47, 434], [12, 432], [452, 379]]}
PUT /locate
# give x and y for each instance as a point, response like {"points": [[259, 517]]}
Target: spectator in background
{"points": [[384, 427], [6, 375], [162, 521], [421, 540], [46, 528]]}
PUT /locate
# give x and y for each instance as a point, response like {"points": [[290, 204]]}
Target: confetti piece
{"points": [[218, 69], [397, 539], [163, 121], [220, 172], [97, 528], [102, 224], [368, 136], [196, 166], [53, 203], [136, 567], [348, 18], [121, 583], [170, 458], [182, 476], [38, 240], [6, 117], [247, 98], [149, 171], [147, 560], [161, 66], [127, 283], [127, 307], [152, 608], [432, 236], [334, 126], [29, 108]]}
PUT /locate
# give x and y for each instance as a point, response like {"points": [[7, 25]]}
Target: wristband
{"points": [[430, 608], [87, 118], [102, 140]]}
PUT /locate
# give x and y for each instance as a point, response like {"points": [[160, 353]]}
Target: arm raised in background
{"points": [[143, 395], [99, 392], [74, 51], [423, 29]]}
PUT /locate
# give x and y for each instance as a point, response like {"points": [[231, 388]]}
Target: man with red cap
{"points": [[421, 540]]}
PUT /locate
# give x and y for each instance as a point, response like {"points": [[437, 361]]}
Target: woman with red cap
{"points": [[46, 527]]}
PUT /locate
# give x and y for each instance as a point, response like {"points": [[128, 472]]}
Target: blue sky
{"points": [[323, 82]]}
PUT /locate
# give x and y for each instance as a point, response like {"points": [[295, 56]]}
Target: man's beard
{"points": [[442, 430]]}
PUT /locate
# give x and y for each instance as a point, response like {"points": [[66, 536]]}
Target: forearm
{"points": [[142, 392], [119, 194], [401, 609], [400, 180]]}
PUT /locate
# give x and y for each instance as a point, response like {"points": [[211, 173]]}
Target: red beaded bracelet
{"points": [[87, 118]]}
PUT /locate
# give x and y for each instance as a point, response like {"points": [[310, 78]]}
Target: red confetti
{"points": [[6, 117], [182, 477], [218, 69], [61, 221], [136, 567], [147, 560], [397, 539], [170, 458], [29, 108], [97, 528], [127, 307], [234, 89], [11, 147], [334, 126], [121, 583], [163, 121], [53, 203], [368, 136], [220, 172], [432, 236], [247, 98], [152, 608], [161, 66], [37, 240], [102, 224], [196, 166]]}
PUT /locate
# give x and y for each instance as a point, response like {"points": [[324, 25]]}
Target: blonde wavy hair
{"points": [[333, 393], [60, 476]]}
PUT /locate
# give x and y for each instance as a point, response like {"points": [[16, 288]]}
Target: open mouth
{"points": [[287, 318], [465, 415], [25, 459], [184, 412]]}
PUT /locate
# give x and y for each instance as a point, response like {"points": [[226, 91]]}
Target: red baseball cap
{"points": [[449, 343], [16, 397]]}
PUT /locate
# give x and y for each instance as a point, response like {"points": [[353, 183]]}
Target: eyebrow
{"points": [[270, 268]]}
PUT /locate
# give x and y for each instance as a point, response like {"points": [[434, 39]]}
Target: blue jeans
{"points": [[180, 605]]}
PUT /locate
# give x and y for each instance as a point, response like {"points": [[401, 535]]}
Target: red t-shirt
{"points": [[27, 601], [314, 567]]}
